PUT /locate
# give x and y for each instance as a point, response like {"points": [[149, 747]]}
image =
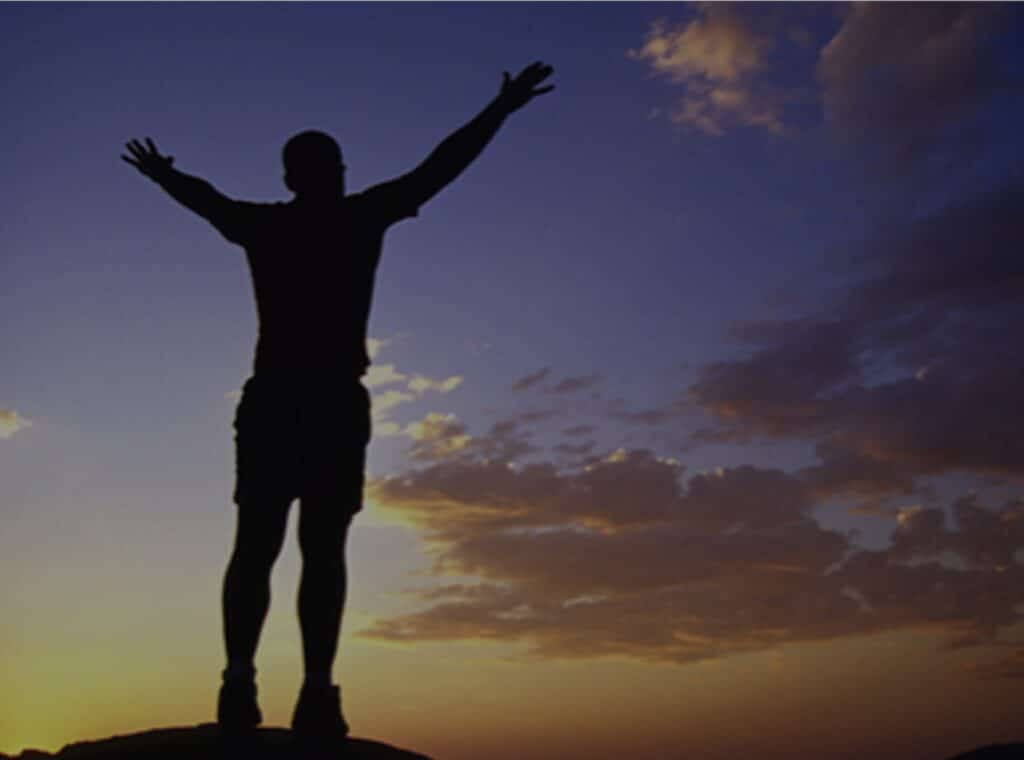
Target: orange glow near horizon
{"points": [[458, 700]]}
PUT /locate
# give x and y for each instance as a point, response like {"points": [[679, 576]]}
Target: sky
{"points": [[694, 397]]}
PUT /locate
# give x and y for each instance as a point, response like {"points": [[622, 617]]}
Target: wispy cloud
{"points": [[414, 387], [420, 384], [528, 381], [11, 422], [437, 436], [576, 383], [566, 385], [375, 345], [383, 374], [718, 59]]}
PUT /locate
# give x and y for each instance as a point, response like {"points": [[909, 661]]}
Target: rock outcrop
{"points": [[205, 742], [1013, 751]]}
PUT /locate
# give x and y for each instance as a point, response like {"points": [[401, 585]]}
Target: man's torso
{"points": [[313, 274]]}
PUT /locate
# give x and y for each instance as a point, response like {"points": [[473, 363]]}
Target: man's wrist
{"points": [[500, 106], [161, 175]]}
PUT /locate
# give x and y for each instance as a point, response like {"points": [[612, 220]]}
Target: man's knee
{"points": [[260, 535], [323, 531]]}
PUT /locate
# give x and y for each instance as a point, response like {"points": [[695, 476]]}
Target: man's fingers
{"points": [[542, 90], [535, 73], [140, 150], [537, 67], [152, 146], [131, 161]]}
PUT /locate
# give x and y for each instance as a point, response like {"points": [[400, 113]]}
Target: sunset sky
{"points": [[696, 398]]}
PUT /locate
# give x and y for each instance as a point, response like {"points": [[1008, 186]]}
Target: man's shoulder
{"points": [[255, 210], [267, 212], [362, 198], [388, 202]]}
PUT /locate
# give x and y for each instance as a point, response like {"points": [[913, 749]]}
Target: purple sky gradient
{"points": [[738, 289]]}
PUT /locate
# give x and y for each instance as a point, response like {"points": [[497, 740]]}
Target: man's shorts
{"points": [[297, 438]]}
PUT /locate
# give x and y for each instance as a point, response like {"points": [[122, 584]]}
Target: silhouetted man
{"points": [[303, 422]]}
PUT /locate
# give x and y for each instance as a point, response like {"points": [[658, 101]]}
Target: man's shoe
{"points": [[318, 714], [237, 709]]}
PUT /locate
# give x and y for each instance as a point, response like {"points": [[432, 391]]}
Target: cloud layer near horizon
{"points": [[911, 374], [619, 559]]}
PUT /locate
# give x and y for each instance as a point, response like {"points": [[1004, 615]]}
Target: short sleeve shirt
{"points": [[313, 269]]}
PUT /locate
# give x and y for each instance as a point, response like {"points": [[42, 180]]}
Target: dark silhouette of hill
{"points": [[1013, 751], [204, 742]]}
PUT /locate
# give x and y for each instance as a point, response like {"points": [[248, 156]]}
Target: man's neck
{"points": [[317, 201]]}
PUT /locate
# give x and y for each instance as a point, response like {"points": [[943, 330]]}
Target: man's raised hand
{"points": [[147, 159], [516, 93]]}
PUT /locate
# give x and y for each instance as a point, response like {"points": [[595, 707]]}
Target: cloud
{"points": [[620, 559], [623, 488], [387, 429], [576, 383], [983, 538], [911, 373], [564, 386], [905, 81], [528, 381], [375, 345], [11, 422], [1008, 666], [575, 450], [437, 436], [718, 59], [384, 402], [440, 436], [843, 470], [419, 384], [578, 430], [912, 369], [382, 374]]}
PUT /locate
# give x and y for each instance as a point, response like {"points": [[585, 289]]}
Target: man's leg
{"points": [[246, 598], [323, 530], [334, 459]]}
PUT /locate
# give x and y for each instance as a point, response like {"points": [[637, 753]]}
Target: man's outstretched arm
{"points": [[459, 149], [193, 193]]}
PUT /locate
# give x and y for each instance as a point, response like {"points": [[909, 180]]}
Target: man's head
{"points": [[313, 167]]}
